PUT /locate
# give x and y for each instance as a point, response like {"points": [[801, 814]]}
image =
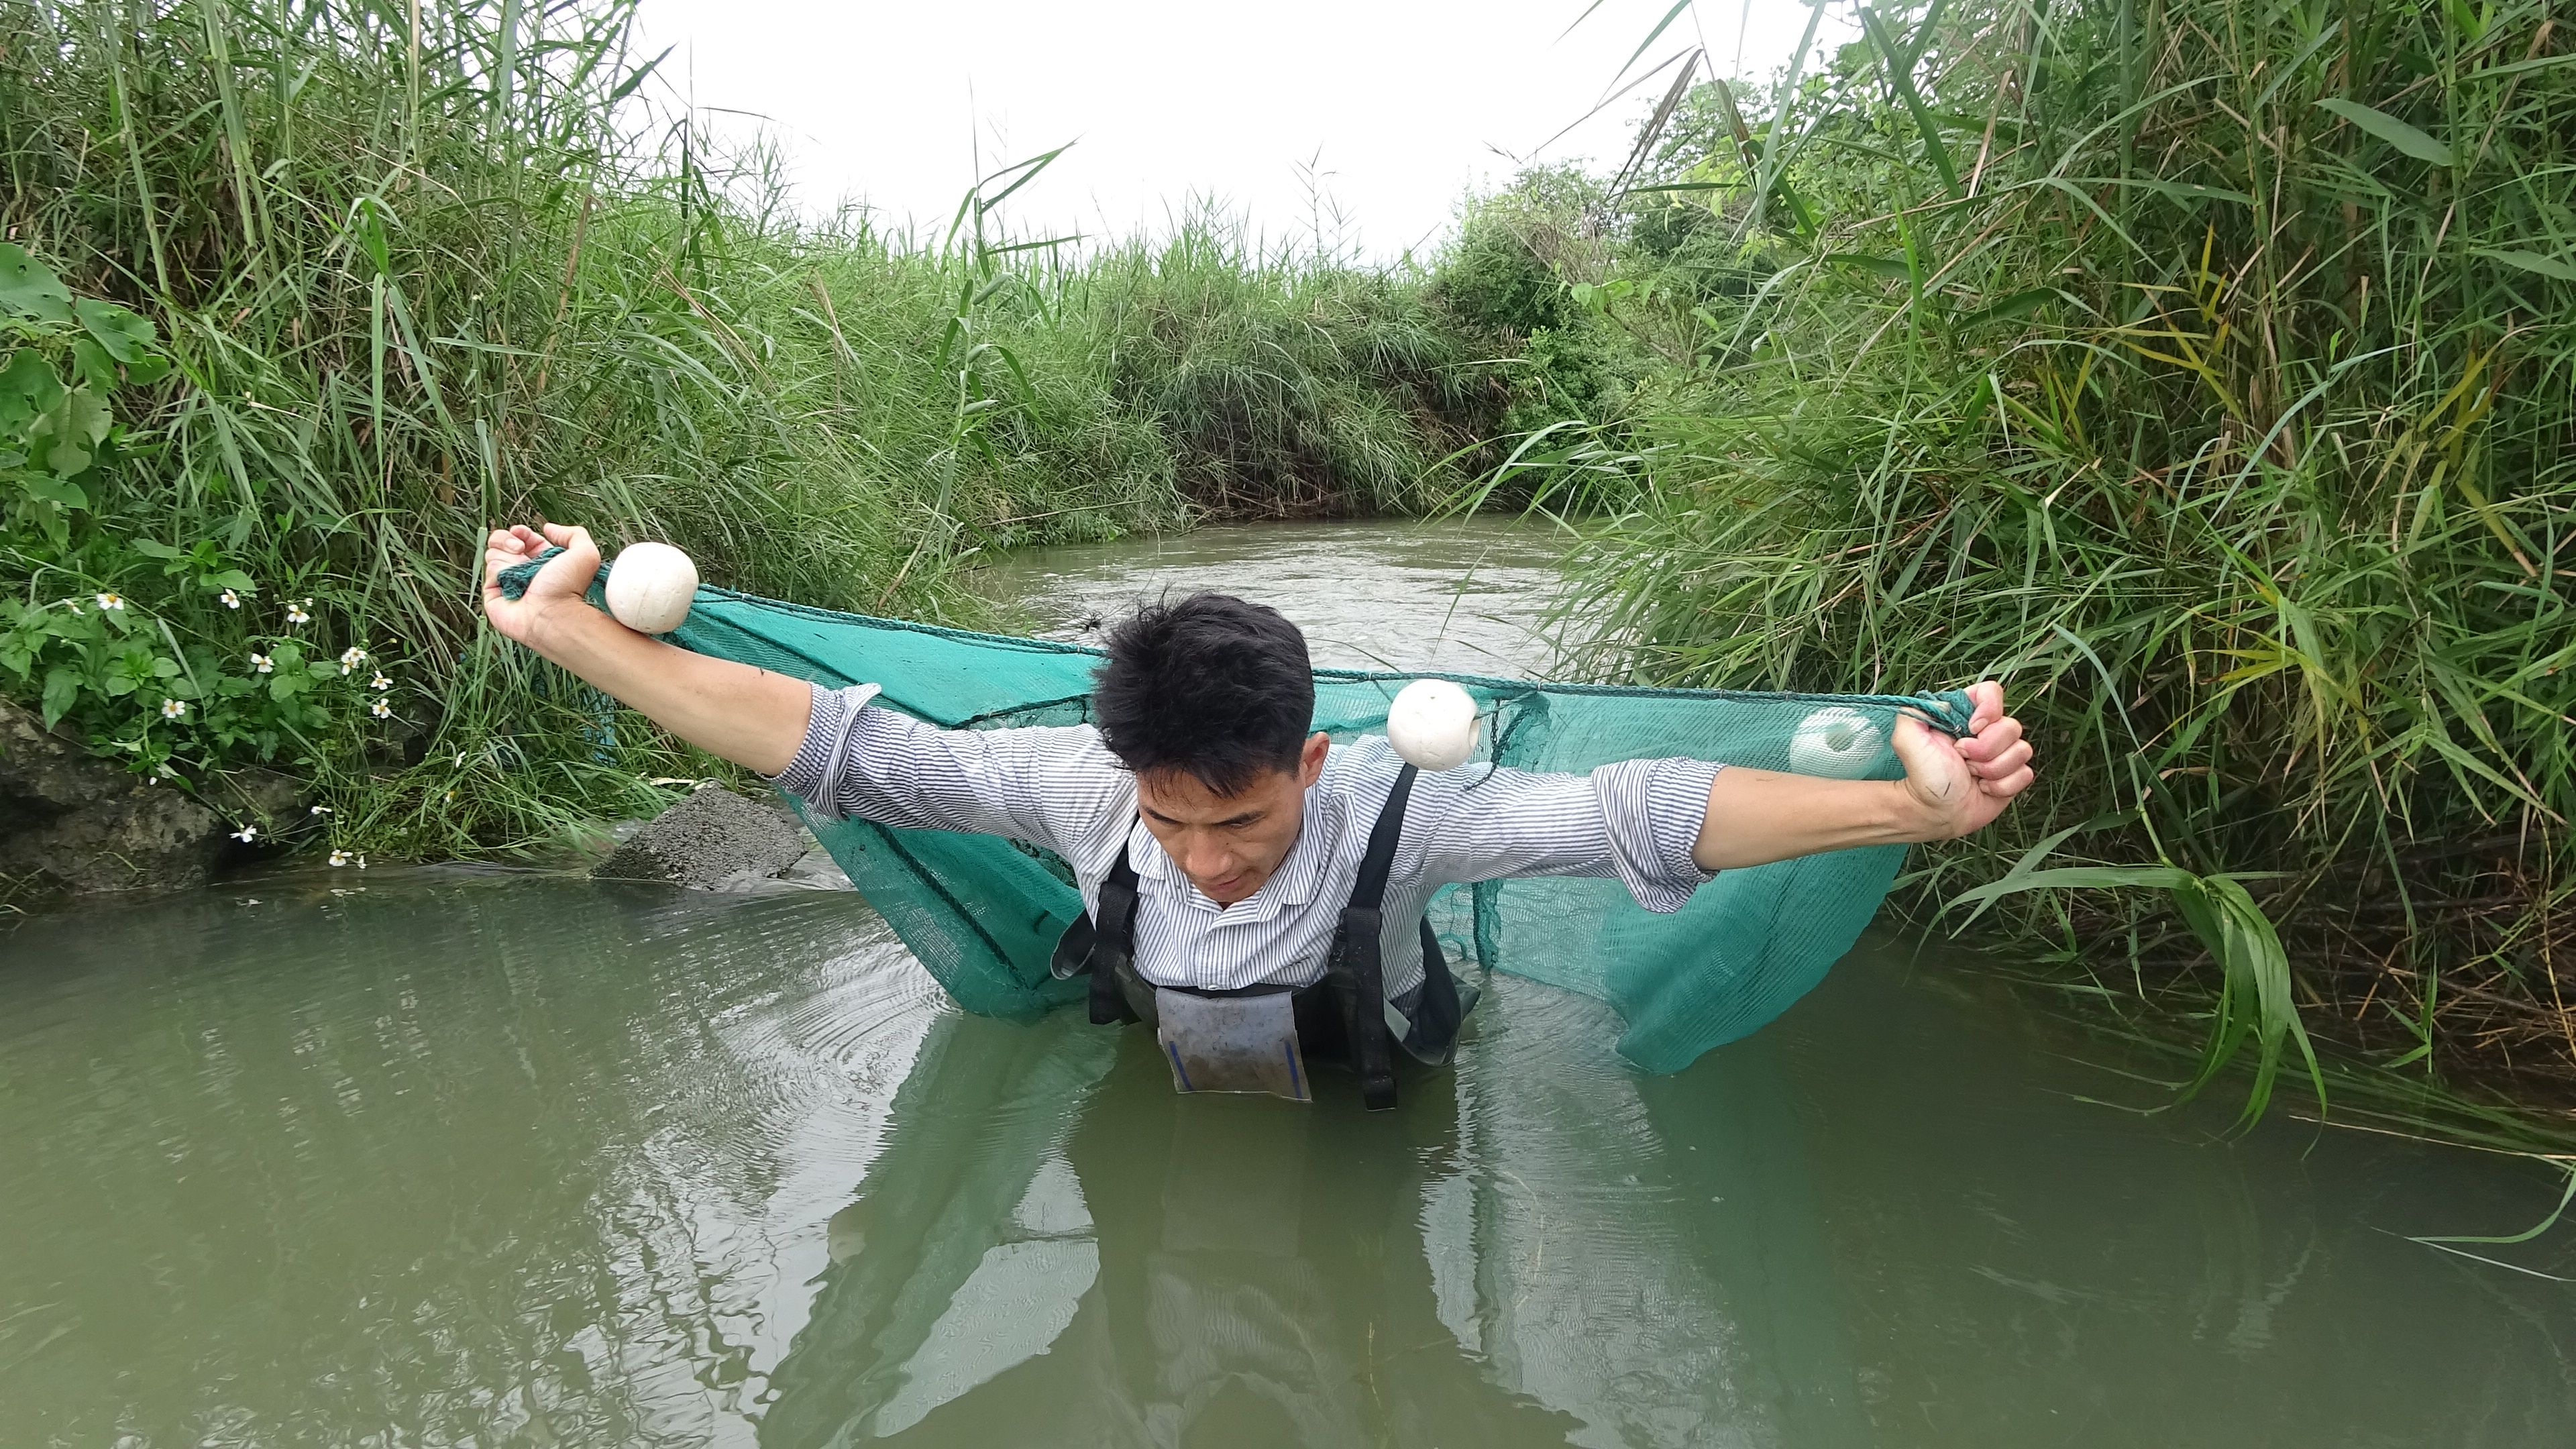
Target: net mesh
{"points": [[983, 913]]}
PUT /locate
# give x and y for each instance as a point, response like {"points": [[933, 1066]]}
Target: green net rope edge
{"points": [[1947, 710]]}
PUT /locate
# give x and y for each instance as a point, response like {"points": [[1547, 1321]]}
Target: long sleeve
{"points": [[1637, 820], [1052, 787]]}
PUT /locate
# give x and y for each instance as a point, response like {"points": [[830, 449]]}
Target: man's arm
{"points": [[750, 716], [1951, 787]]}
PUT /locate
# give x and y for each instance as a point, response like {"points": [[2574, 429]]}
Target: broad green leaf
{"points": [[62, 491], [2390, 129], [2532, 262], [153, 548], [29, 383], [127, 337], [2073, 877], [29, 289], [93, 367], [2019, 304], [1884, 266], [62, 687]]}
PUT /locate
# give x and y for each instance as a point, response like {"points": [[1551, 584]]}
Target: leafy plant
{"points": [[154, 650], [2202, 368]]}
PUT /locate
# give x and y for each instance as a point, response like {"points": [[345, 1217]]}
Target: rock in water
{"points": [[87, 824], [714, 840]]}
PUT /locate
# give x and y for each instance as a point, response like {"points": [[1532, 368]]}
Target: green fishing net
{"points": [[983, 913]]}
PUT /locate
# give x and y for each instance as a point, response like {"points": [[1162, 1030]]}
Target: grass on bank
{"points": [[2205, 368], [416, 269]]}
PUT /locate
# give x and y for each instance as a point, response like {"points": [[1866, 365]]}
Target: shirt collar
{"points": [[1294, 883]]}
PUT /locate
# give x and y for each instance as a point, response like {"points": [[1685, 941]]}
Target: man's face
{"points": [[1229, 844]]}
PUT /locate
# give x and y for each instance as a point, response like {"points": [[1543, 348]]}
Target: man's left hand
{"points": [[1963, 784]]}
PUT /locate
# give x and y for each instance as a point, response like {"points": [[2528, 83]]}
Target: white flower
{"points": [[350, 659], [321, 809], [110, 601], [262, 664], [295, 614], [380, 681], [451, 797], [174, 709], [231, 600], [362, 862], [339, 858], [246, 834], [380, 709], [72, 604]]}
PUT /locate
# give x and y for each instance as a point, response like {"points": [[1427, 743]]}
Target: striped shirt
{"points": [[1062, 790]]}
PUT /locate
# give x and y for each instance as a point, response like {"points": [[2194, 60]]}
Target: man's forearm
{"points": [[750, 716], [1759, 816]]}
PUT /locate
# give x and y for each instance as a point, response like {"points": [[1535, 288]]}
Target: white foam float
{"points": [[649, 587], [1432, 724], [1837, 742]]}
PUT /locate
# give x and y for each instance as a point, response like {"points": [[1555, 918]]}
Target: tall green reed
{"points": [[2207, 370], [422, 268]]}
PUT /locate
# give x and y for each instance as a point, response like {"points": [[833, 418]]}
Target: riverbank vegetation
{"points": [[391, 272], [2208, 370], [2202, 367]]}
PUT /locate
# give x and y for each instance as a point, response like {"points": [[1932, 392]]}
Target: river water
{"points": [[445, 1157]]}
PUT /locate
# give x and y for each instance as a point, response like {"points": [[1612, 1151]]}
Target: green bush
{"points": [[413, 282], [165, 654], [2207, 370]]}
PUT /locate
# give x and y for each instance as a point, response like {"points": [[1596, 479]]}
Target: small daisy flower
{"points": [[246, 834], [380, 709], [451, 797], [231, 599], [339, 858], [174, 709], [262, 664], [321, 809], [362, 862], [350, 659], [110, 601], [380, 681], [295, 614]]}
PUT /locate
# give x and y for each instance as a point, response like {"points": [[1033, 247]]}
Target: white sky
{"points": [[1403, 105]]}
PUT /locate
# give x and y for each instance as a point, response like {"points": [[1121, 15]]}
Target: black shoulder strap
{"points": [[1105, 947], [1370, 889], [1358, 973]]}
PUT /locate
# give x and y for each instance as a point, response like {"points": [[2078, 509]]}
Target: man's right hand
{"points": [[749, 716], [564, 579]]}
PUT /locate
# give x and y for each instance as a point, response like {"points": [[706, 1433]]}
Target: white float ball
{"points": [[1836, 742], [1432, 724], [649, 587]]}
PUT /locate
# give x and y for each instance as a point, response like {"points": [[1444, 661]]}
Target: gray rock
{"points": [[83, 823], [714, 840], [816, 870]]}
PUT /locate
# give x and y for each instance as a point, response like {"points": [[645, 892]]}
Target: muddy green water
{"points": [[445, 1157]]}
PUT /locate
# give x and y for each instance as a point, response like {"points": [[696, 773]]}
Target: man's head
{"points": [[1211, 702]]}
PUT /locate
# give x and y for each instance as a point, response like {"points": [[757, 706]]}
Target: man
{"points": [[1230, 858]]}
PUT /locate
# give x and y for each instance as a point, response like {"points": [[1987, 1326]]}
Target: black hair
{"points": [[1211, 686]]}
